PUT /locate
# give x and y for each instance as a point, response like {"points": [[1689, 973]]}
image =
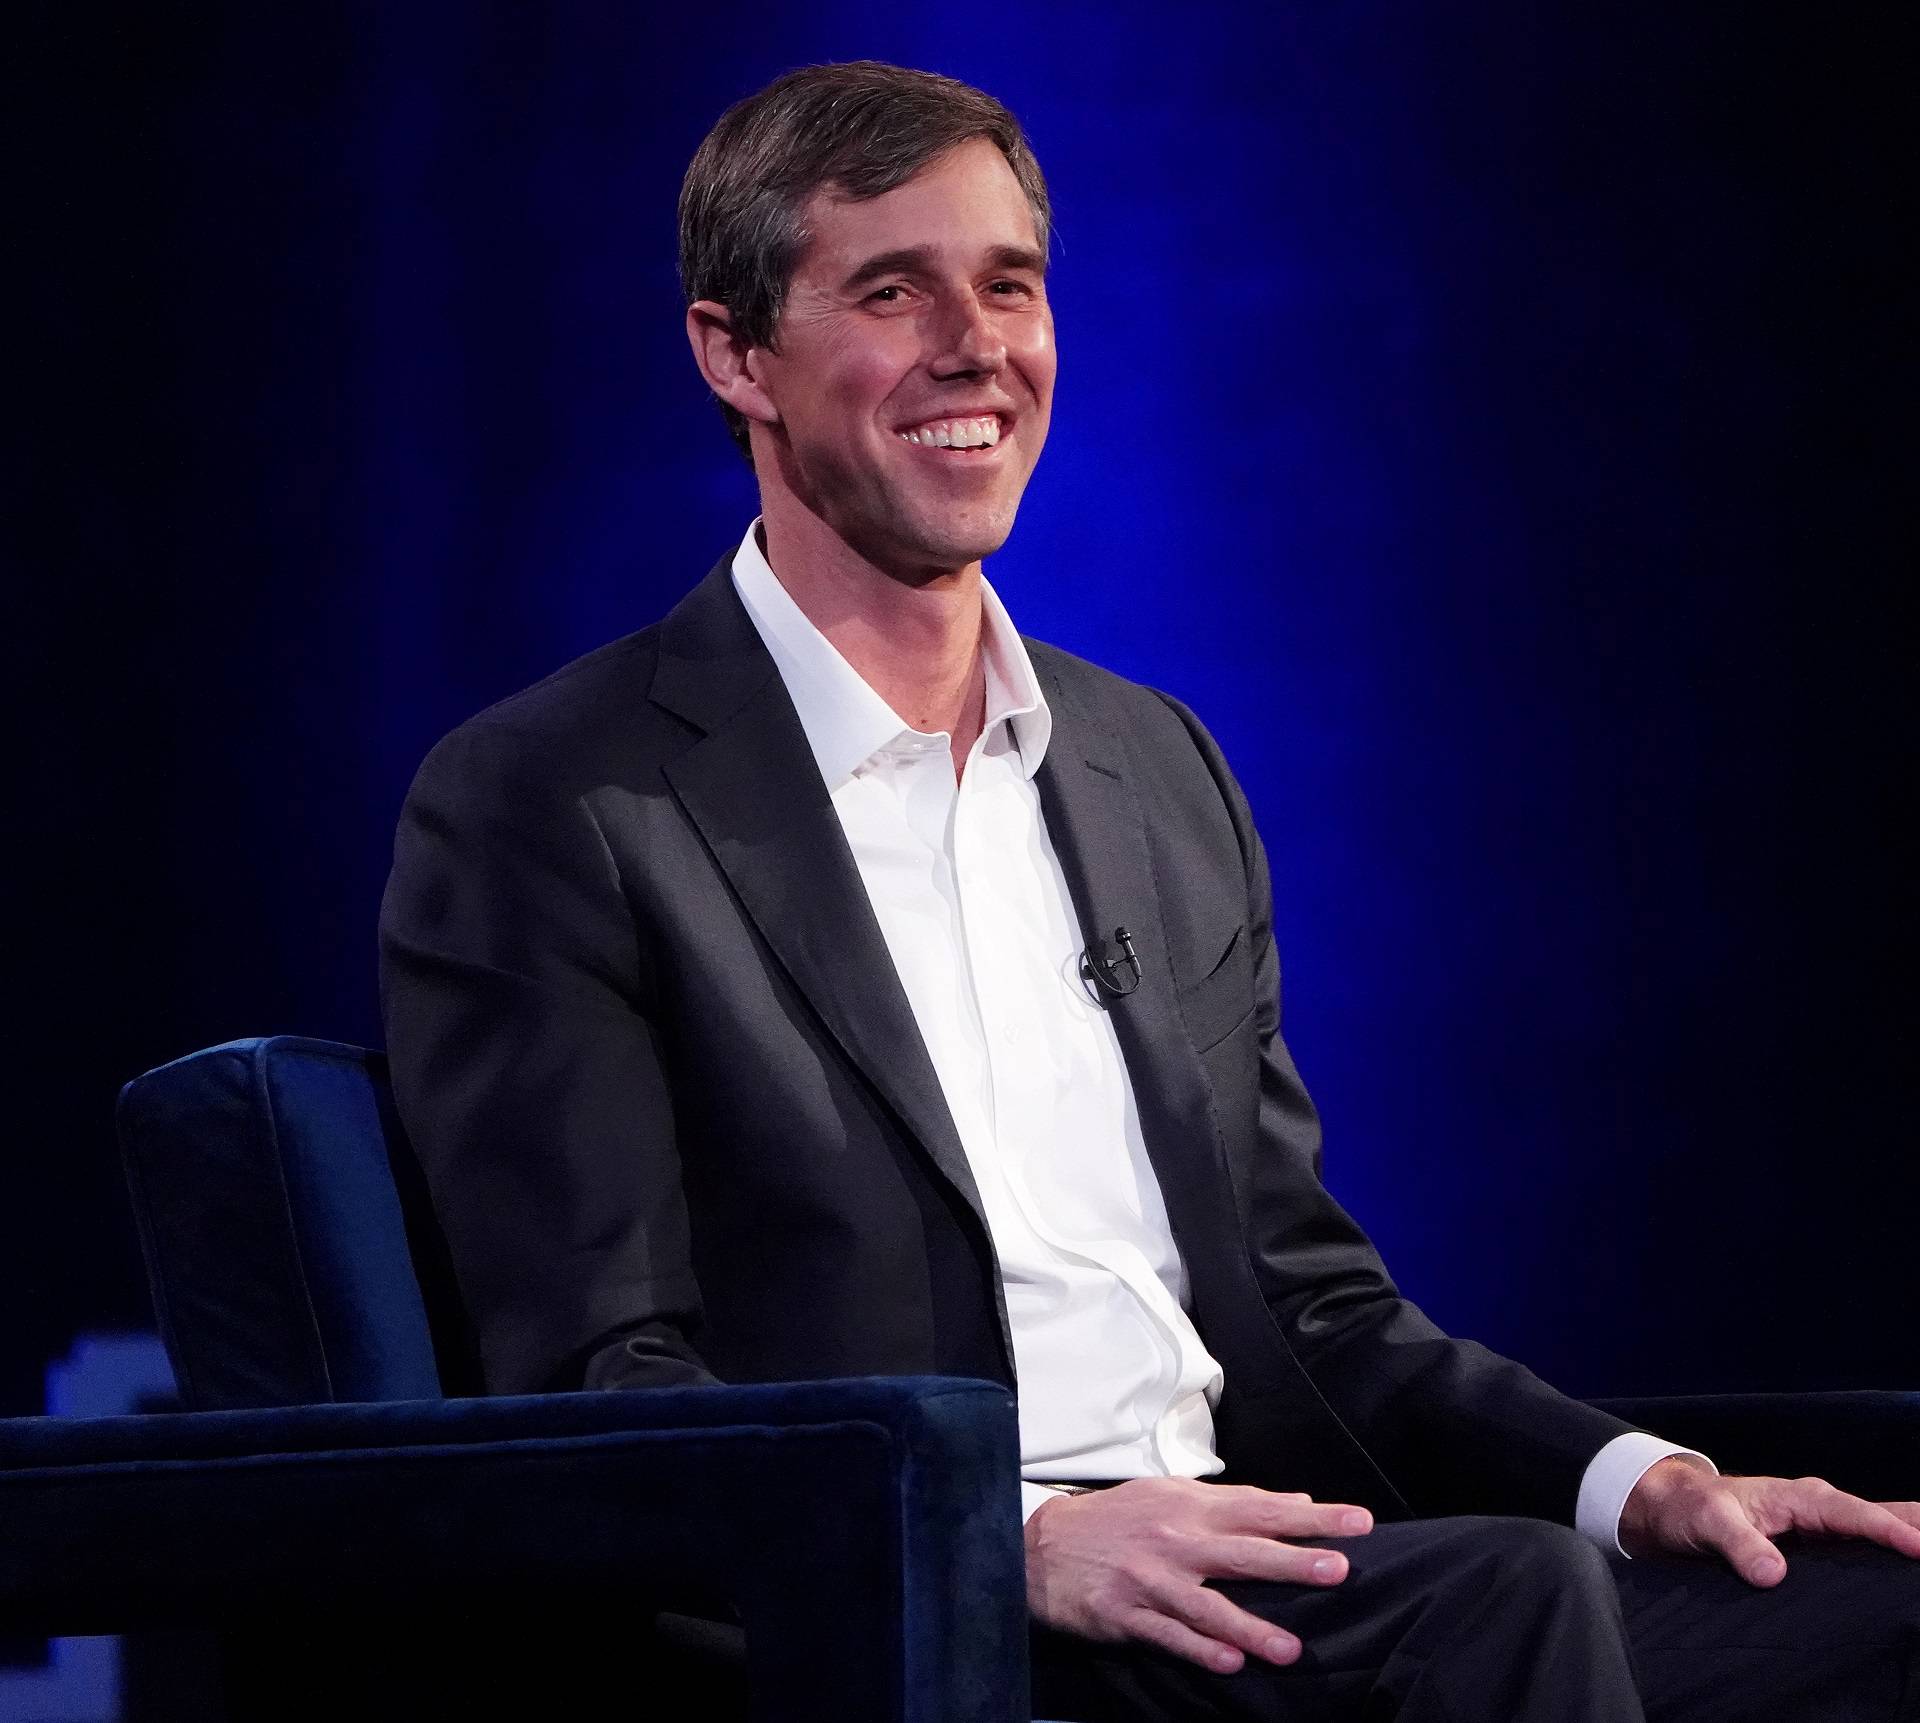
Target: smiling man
{"points": [[829, 981]]}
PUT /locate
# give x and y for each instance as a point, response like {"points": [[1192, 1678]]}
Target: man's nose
{"points": [[971, 342]]}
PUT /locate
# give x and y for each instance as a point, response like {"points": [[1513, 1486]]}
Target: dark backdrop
{"points": [[1486, 416]]}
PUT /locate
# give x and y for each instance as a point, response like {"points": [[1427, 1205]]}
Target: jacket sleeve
{"points": [[527, 1074], [1455, 1426]]}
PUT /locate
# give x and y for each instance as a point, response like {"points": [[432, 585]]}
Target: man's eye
{"points": [[880, 293], [1010, 286]]}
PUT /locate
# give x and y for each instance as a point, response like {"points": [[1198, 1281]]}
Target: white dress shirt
{"points": [[1115, 1381]]}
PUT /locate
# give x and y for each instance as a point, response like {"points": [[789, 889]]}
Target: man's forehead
{"points": [[961, 206]]}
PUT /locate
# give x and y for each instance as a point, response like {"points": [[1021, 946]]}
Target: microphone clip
{"points": [[1110, 978]]}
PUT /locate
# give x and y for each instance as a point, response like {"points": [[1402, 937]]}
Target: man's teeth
{"points": [[956, 434]]}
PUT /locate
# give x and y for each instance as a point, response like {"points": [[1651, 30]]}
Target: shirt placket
{"points": [[930, 804], [961, 846]]}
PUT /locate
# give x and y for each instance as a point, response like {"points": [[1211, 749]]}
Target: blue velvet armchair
{"points": [[371, 1539]]}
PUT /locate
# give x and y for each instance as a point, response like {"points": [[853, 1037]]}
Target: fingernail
{"points": [[1281, 1649], [1327, 1567], [1227, 1660], [1766, 1569], [1354, 1523]]}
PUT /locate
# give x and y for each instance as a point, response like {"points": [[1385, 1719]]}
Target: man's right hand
{"points": [[1131, 1562]]}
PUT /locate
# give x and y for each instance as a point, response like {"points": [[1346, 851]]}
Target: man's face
{"points": [[911, 318]]}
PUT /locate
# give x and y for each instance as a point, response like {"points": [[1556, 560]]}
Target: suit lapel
{"points": [[1098, 831], [751, 787]]}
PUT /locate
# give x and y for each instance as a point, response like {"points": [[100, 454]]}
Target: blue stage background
{"points": [[1482, 416]]}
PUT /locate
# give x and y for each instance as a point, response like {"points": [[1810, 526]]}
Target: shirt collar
{"points": [[845, 721]]}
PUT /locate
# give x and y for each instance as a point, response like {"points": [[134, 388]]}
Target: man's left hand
{"points": [[1680, 1507]]}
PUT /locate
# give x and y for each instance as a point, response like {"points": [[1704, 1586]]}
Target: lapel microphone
{"points": [[1108, 978]]}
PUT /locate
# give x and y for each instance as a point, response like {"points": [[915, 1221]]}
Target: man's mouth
{"points": [[956, 436]]}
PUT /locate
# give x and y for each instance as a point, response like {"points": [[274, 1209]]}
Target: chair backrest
{"points": [[288, 1238]]}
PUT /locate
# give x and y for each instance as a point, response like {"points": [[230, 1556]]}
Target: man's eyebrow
{"points": [[920, 259], [1018, 257]]}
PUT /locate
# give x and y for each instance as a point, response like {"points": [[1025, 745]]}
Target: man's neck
{"points": [[918, 646]]}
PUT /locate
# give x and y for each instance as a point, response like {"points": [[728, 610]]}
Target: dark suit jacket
{"points": [[679, 1124]]}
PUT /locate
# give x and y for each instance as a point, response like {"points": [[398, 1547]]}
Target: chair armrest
{"points": [[1865, 1441], [868, 1531]]}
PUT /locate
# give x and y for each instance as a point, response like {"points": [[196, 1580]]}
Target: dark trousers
{"points": [[1494, 1620]]}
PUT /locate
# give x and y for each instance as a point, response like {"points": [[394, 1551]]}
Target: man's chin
{"points": [[932, 547]]}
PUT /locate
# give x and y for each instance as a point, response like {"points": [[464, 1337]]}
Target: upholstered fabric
{"points": [[867, 1531], [270, 1182]]}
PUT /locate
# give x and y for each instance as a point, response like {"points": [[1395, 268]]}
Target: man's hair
{"points": [[861, 128]]}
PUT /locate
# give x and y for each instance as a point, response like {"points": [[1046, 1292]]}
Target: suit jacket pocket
{"points": [[1220, 1002]]}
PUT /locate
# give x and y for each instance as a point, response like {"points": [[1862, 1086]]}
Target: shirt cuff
{"points": [[1032, 1495], [1609, 1480]]}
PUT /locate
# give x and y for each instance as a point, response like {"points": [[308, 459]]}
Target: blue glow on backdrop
{"points": [[1459, 407]]}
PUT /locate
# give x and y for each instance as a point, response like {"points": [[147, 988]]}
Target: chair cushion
{"points": [[263, 1181]]}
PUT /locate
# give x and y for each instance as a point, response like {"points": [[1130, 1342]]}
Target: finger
{"points": [[1214, 1617], [1267, 1559], [1300, 1517], [1908, 1511], [1722, 1525], [1819, 1507], [1149, 1628]]}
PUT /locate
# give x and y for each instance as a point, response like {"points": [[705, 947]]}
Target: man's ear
{"points": [[726, 363]]}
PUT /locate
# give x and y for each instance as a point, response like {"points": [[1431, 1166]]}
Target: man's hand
{"points": [[1131, 1562], [1681, 1508]]}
